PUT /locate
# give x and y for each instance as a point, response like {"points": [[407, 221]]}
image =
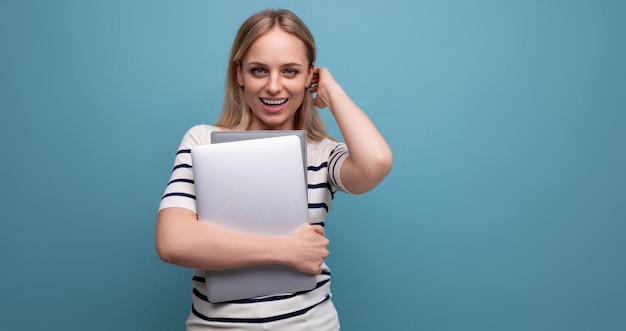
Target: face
{"points": [[274, 74]]}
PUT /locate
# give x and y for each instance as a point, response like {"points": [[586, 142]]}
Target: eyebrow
{"points": [[260, 64]]}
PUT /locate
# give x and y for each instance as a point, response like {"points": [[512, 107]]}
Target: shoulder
{"points": [[202, 131], [199, 135], [325, 146], [323, 150], [325, 158]]}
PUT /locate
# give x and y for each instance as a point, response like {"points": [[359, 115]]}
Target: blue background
{"points": [[505, 209]]}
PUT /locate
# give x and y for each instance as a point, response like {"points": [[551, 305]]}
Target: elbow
{"points": [[172, 239], [379, 167], [172, 254], [385, 163], [168, 248], [166, 252]]}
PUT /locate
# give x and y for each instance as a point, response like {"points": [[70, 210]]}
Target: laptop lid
{"points": [[253, 186], [230, 136]]}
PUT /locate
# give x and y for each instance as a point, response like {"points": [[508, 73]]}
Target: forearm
{"points": [[184, 241], [370, 155]]}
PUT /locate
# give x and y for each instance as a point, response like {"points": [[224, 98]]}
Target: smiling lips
{"points": [[273, 105], [273, 102]]}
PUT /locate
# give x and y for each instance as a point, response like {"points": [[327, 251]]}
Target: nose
{"points": [[274, 85]]}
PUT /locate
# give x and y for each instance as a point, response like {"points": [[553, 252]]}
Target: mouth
{"points": [[273, 102]]}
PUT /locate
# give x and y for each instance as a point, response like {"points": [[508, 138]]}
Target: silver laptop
{"points": [[253, 186], [230, 136]]}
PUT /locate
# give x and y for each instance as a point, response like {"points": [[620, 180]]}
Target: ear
{"points": [[309, 76], [239, 75]]}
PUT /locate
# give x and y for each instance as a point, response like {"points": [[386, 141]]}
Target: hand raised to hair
{"points": [[322, 84]]}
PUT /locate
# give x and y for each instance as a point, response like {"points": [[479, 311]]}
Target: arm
{"points": [[370, 157], [183, 240]]}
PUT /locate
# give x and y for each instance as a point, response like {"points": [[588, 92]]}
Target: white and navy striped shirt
{"points": [[324, 160]]}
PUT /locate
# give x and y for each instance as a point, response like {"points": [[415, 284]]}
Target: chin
{"points": [[277, 124]]}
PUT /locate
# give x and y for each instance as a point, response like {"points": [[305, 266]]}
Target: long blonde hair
{"points": [[236, 113]]}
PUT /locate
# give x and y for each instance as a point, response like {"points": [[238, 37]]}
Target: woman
{"points": [[269, 86]]}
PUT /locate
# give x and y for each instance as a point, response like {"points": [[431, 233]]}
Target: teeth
{"points": [[273, 102]]}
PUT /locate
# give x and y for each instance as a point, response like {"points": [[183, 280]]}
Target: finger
{"points": [[319, 229]]}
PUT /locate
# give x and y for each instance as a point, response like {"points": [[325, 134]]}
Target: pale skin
{"points": [[276, 68]]}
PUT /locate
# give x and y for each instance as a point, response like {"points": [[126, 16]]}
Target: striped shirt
{"points": [[324, 160]]}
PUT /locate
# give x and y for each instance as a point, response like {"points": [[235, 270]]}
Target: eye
{"points": [[258, 71], [290, 71]]}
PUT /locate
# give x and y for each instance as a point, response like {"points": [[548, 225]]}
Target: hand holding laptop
{"points": [[308, 249]]}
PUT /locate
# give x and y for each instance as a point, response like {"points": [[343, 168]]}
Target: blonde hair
{"points": [[236, 113]]}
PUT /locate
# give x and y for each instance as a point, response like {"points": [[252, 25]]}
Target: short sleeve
{"points": [[337, 155], [180, 190]]}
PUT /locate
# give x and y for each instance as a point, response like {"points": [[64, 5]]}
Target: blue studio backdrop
{"points": [[505, 209]]}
